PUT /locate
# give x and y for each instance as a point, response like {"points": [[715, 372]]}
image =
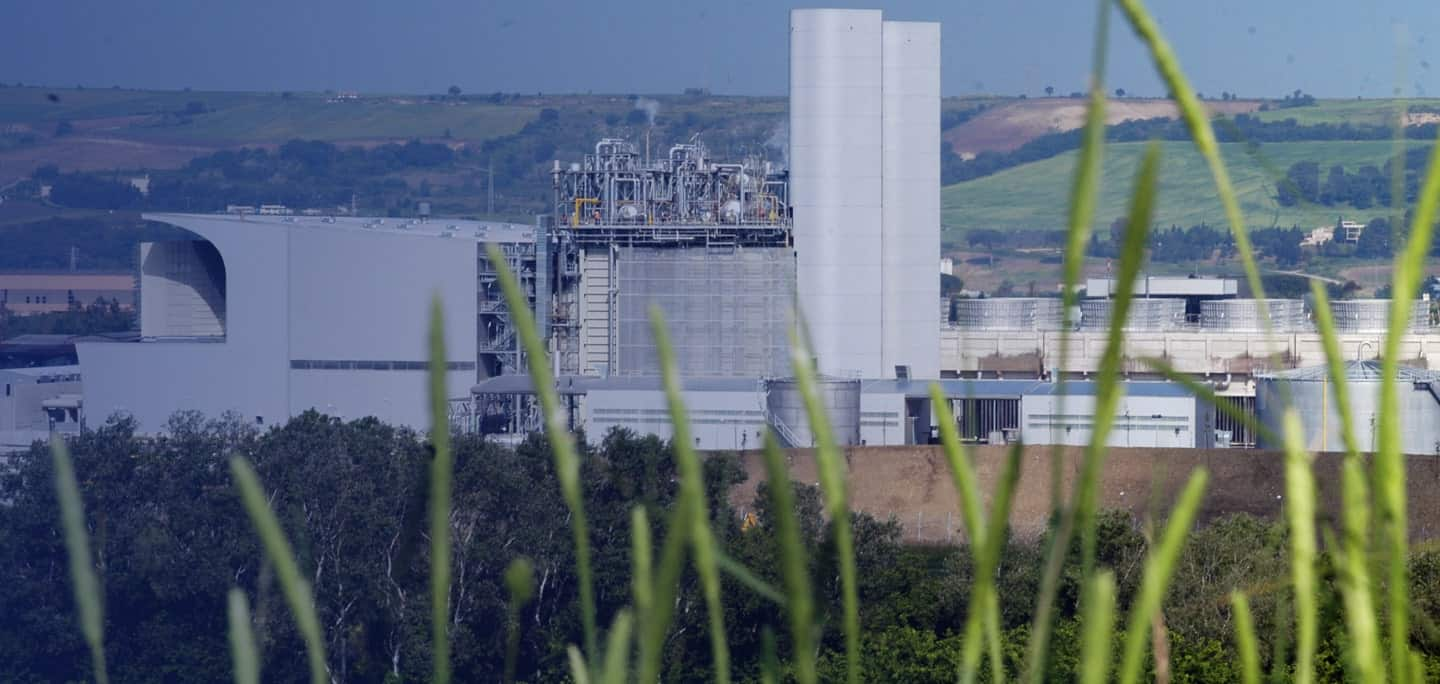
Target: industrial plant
{"points": [[266, 316]]}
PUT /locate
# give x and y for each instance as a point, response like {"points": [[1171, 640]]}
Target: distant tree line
{"points": [[1368, 186], [1241, 128]]}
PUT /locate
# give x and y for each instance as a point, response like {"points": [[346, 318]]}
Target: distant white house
{"points": [[947, 266], [1318, 237]]}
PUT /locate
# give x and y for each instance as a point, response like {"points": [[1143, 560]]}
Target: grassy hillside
{"points": [[1374, 112], [1034, 196]]}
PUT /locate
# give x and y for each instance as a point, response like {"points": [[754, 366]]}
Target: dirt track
{"points": [[914, 485], [1011, 125]]}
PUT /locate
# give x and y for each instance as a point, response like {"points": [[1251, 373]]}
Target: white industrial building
{"points": [[268, 316], [865, 187], [37, 402], [732, 413]]}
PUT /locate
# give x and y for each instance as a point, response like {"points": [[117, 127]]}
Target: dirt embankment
{"points": [[913, 484], [1008, 126]]}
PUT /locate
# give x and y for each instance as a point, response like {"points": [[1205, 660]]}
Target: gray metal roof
{"points": [[1358, 371], [963, 388], [458, 229], [584, 384]]}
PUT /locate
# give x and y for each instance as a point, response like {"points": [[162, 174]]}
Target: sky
{"points": [[1329, 48]]}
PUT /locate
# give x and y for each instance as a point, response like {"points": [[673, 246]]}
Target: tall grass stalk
{"points": [[441, 472], [243, 654], [1197, 122], [1355, 584], [984, 611], [800, 604], [1083, 191], [1389, 462], [1159, 567], [520, 582], [1099, 622], [562, 443], [85, 585], [837, 498], [1300, 515], [1108, 389], [971, 515], [1245, 641], [692, 496], [277, 549]]}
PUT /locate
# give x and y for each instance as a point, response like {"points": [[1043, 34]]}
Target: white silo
{"points": [[836, 184], [910, 233]]}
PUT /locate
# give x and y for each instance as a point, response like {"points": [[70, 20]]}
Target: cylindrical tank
{"points": [[1244, 315], [1373, 315], [1312, 394], [1009, 313], [1146, 315], [786, 408]]}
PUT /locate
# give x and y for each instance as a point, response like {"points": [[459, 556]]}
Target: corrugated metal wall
{"points": [[727, 309]]}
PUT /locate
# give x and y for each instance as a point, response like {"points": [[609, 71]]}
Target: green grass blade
{"points": [[1245, 639], [1300, 515], [243, 653], [1083, 192], [292, 584], [961, 474], [1197, 121], [1108, 388], [667, 583], [441, 471], [983, 602], [617, 649], [1098, 623], [692, 497], [800, 604], [1389, 463], [1159, 567], [963, 478], [89, 600], [837, 499], [769, 659], [642, 564], [578, 669], [1355, 583], [1208, 396], [749, 579], [562, 443], [520, 581]]}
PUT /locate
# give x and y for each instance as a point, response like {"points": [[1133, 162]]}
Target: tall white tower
{"points": [[910, 253], [865, 188], [836, 183]]}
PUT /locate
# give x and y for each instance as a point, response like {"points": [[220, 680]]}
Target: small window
{"points": [[7, 389]]}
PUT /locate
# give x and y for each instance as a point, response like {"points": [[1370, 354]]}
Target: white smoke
{"points": [[779, 140], [650, 107]]}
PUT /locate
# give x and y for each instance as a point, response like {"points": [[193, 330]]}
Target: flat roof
{"points": [[954, 388], [459, 229]]}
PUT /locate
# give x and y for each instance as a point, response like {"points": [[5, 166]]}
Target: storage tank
{"points": [[1146, 315], [1244, 315], [1009, 313], [1312, 394], [1373, 315], [785, 409]]}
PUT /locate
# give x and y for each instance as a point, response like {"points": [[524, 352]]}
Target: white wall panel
{"points": [[836, 182], [911, 191]]}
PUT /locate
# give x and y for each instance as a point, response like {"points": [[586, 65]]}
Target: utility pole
{"points": [[490, 201]]}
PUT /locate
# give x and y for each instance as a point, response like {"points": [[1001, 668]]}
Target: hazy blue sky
{"points": [[1334, 48]]}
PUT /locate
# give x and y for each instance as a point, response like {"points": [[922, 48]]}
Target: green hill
{"points": [[1035, 195]]}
